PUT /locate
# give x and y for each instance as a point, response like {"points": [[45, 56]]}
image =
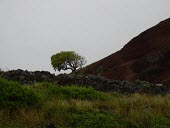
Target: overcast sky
{"points": [[33, 30]]}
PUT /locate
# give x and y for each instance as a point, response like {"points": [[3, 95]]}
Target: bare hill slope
{"points": [[145, 57]]}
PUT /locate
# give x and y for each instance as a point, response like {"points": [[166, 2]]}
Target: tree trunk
{"points": [[73, 70]]}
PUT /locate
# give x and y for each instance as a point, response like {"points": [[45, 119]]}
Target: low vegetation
{"points": [[13, 95], [34, 106]]}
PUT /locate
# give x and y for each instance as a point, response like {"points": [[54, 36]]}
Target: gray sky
{"points": [[33, 30]]}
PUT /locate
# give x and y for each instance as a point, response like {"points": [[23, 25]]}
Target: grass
{"points": [[79, 107], [13, 95]]}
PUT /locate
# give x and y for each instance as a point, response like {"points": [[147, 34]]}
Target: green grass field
{"points": [[34, 106]]}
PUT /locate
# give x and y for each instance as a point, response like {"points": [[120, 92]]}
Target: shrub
{"points": [[13, 94], [76, 92]]}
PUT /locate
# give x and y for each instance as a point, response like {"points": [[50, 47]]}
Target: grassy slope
{"points": [[78, 107]]}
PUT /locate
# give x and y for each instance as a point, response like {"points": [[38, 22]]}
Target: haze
{"points": [[33, 30]]}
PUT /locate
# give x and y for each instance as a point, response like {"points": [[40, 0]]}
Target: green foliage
{"points": [[75, 92], [81, 118], [13, 95], [79, 107], [160, 122], [67, 60]]}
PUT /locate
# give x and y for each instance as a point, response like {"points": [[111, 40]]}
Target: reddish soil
{"points": [[145, 57]]}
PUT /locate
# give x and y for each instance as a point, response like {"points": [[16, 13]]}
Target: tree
{"points": [[67, 60]]}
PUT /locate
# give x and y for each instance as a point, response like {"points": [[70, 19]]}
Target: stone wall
{"points": [[99, 83], [106, 85], [26, 77]]}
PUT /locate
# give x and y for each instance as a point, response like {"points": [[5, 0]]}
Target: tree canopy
{"points": [[65, 60]]}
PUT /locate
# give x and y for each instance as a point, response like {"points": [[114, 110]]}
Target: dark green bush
{"points": [[13, 94], [76, 92]]}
